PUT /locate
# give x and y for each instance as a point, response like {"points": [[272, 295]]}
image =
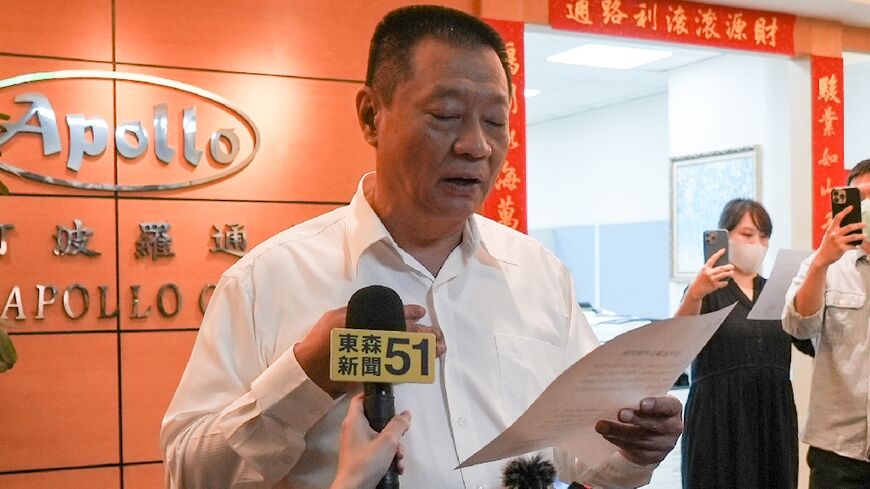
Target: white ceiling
{"points": [[568, 90]]}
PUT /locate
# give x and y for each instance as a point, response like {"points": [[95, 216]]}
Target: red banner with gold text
{"points": [[680, 22], [507, 201], [828, 164]]}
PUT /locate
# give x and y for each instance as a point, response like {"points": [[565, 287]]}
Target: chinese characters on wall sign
{"points": [[675, 21], [827, 121], [507, 201], [73, 242], [154, 240], [233, 240]]}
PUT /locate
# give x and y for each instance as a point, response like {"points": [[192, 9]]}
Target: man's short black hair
{"points": [[734, 211], [859, 169], [399, 31]]}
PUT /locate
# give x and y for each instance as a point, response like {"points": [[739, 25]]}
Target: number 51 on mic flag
{"points": [[368, 355]]}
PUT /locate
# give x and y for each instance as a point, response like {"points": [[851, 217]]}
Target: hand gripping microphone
{"points": [[534, 473], [378, 307]]}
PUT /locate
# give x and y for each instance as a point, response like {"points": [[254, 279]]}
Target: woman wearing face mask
{"points": [[740, 424]]}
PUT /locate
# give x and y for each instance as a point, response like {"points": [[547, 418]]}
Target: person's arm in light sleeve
{"points": [[805, 300], [617, 471], [809, 325], [234, 419]]}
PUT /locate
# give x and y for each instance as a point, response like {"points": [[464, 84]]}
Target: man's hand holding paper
{"points": [[645, 435], [598, 393]]}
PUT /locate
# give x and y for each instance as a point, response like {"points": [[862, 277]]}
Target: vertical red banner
{"points": [[827, 123], [507, 201]]}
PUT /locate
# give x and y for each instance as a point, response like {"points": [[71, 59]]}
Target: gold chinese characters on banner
{"points": [[683, 22], [827, 111], [506, 202]]}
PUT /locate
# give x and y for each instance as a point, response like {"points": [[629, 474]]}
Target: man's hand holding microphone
{"points": [[383, 344]]}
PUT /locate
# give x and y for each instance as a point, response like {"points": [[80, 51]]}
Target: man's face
{"points": [[442, 140], [863, 184]]}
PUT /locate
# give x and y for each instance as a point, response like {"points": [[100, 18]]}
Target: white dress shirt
{"points": [[246, 415], [837, 420]]}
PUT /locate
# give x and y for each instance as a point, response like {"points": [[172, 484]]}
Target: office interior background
{"points": [[103, 336]]}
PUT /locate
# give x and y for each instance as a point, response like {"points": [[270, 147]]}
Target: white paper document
{"points": [[641, 363], [772, 299]]}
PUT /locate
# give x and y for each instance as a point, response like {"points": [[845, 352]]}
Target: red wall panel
{"points": [[306, 38], [60, 402], [151, 366], [148, 476], [72, 29], [311, 147], [103, 478]]}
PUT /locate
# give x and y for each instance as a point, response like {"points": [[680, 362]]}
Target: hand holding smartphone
{"points": [[842, 197], [715, 240]]}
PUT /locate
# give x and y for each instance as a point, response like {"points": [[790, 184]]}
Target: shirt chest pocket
{"points": [[843, 313], [526, 367]]}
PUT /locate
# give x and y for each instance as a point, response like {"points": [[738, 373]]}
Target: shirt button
{"points": [[461, 423]]}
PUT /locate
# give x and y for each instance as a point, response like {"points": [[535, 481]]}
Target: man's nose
{"points": [[471, 141]]}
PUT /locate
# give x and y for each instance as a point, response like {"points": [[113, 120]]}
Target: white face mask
{"points": [[748, 257], [865, 217]]}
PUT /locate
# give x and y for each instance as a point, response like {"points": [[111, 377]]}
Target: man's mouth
{"points": [[463, 181]]}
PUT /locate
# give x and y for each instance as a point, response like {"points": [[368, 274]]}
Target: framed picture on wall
{"points": [[701, 185]]}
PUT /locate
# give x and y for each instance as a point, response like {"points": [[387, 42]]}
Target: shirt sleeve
{"points": [[801, 327], [234, 420], [617, 471]]}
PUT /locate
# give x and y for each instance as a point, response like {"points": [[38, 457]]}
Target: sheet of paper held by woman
{"points": [[637, 364], [772, 299]]}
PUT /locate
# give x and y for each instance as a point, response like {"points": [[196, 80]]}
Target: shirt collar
{"points": [[365, 228], [856, 254], [494, 245]]}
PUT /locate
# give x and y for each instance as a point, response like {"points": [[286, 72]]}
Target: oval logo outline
{"points": [[135, 78]]}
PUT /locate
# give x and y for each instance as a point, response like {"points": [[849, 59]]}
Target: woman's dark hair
{"points": [[735, 209]]}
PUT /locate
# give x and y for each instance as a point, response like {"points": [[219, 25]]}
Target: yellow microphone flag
{"points": [[369, 355]]}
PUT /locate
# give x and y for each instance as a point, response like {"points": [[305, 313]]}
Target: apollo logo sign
{"points": [[184, 161]]}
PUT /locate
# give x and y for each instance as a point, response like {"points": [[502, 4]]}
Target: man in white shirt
{"points": [[255, 406], [828, 302]]}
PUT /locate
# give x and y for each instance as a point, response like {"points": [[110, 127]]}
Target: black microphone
{"points": [[524, 473], [378, 307]]}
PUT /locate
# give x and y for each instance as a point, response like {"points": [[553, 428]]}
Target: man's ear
{"points": [[367, 105]]}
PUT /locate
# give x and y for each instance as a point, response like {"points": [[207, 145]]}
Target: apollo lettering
{"points": [[75, 300], [89, 136]]}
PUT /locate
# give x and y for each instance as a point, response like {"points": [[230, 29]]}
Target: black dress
{"points": [[741, 424]]}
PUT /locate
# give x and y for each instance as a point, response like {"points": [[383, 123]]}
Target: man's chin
{"points": [[457, 209]]}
